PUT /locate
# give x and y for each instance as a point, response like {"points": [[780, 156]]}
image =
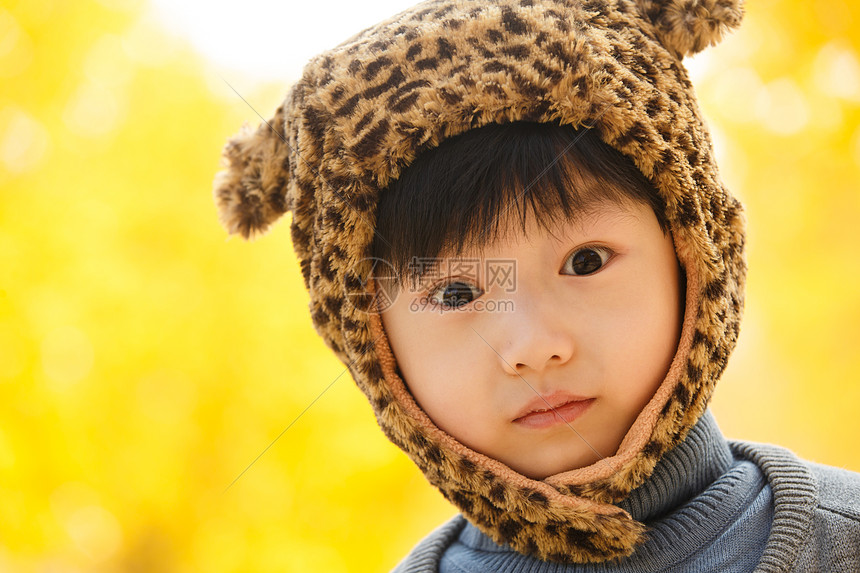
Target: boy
{"points": [[513, 232]]}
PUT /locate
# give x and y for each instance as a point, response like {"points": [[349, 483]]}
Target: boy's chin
{"points": [[552, 464]]}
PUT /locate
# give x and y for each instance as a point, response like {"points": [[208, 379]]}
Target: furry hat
{"points": [[364, 110]]}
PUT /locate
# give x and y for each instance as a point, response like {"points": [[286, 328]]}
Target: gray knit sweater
{"points": [[711, 505]]}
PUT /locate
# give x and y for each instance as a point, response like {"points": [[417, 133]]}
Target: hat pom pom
{"points": [[251, 193], [687, 27]]}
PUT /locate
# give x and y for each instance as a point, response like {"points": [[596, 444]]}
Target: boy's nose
{"points": [[536, 337]]}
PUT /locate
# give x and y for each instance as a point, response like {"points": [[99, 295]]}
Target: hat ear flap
{"points": [[687, 27], [251, 193]]}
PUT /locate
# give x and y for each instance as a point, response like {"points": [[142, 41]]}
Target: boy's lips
{"points": [[557, 408]]}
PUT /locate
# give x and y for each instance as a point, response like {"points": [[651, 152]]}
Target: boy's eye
{"points": [[455, 294], [586, 260]]}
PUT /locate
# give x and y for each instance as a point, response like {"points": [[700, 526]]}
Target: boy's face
{"points": [[588, 325]]}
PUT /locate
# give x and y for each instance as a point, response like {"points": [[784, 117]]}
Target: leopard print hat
{"points": [[363, 111]]}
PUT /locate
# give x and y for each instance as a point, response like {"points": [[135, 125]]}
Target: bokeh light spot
{"points": [[781, 107], [16, 48], [95, 532], [67, 355], [107, 64], [734, 89], [837, 72], [24, 142], [93, 110]]}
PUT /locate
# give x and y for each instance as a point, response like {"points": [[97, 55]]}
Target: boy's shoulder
{"points": [[828, 488], [838, 490], [816, 521]]}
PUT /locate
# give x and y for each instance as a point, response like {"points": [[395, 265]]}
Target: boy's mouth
{"points": [[557, 408]]}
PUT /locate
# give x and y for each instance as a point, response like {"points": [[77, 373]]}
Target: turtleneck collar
{"points": [[682, 473]]}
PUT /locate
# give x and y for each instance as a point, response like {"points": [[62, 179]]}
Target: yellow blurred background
{"points": [[146, 361]]}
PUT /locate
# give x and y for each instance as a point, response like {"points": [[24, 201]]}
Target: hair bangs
{"points": [[460, 195]]}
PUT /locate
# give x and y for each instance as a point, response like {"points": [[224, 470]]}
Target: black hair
{"points": [[455, 196]]}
